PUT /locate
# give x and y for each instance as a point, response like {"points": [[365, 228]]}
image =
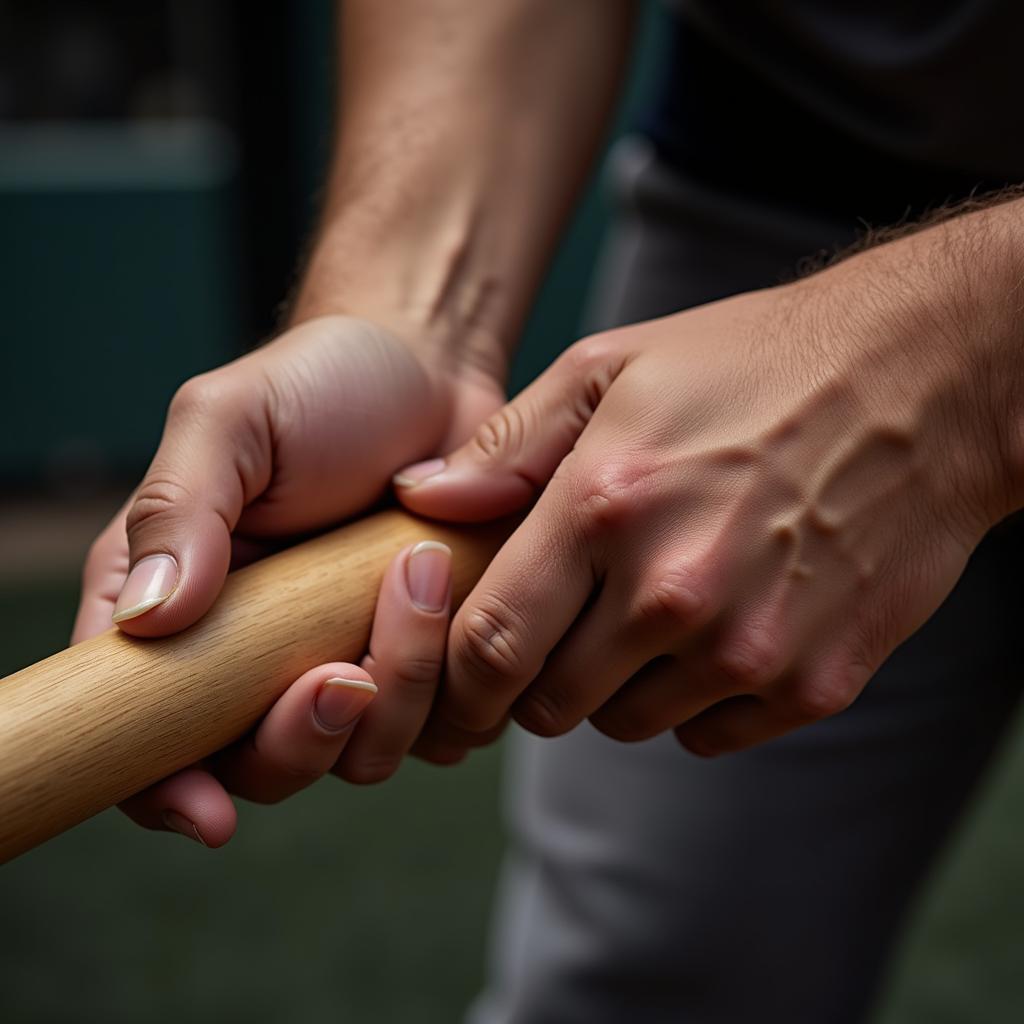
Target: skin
{"points": [[397, 348], [742, 509], [296, 436], [737, 512]]}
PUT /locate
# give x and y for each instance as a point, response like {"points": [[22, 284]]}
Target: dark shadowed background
{"points": [[158, 174]]}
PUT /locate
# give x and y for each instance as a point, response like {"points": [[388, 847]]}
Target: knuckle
{"points": [[815, 701], [625, 724], [501, 435], [228, 413], [416, 673], [369, 770], [198, 395], [700, 744], [546, 712], [489, 646], [750, 664], [158, 495], [192, 397], [440, 756], [821, 697], [611, 497], [596, 357], [439, 732], [672, 597], [592, 364], [584, 355]]}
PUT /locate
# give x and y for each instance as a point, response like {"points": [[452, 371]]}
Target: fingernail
{"points": [[341, 701], [179, 823], [427, 572], [150, 583], [418, 472]]}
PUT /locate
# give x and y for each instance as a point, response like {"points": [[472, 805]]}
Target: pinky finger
{"points": [[733, 725], [743, 722], [191, 802], [441, 743]]}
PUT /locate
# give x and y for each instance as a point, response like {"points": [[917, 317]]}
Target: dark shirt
{"points": [[873, 109]]}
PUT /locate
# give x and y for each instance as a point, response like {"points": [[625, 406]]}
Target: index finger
{"points": [[526, 600]]}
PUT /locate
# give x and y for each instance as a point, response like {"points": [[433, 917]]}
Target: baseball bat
{"points": [[91, 725]]}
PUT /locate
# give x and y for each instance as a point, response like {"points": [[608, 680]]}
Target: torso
{"points": [[872, 108]]}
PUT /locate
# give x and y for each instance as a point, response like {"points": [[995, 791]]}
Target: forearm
{"points": [[465, 130], [948, 299]]}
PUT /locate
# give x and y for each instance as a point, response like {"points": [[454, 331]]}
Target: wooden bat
{"points": [[98, 722]]}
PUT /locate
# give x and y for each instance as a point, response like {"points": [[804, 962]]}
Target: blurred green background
{"points": [[158, 168]]}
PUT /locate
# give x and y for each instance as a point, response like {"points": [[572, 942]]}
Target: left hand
{"points": [[301, 433], [743, 509]]}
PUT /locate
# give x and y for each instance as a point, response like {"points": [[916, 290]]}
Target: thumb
{"points": [[213, 459], [514, 453]]}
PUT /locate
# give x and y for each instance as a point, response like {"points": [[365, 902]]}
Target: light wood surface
{"points": [[93, 724]]}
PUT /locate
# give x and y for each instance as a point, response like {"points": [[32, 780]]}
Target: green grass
{"points": [[351, 904], [963, 961], [342, 904]]}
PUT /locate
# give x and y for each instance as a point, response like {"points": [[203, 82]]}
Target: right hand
{"points": [[293, 437]]}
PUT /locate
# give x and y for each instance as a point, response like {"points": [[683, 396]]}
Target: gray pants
{"points": [[644, 885]]}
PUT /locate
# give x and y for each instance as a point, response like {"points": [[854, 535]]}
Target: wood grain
{"points": [[96, 723]]}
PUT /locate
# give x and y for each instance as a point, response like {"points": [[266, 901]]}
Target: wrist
{"points": [[944, 301], [975, 267], [421, 277], [998, 282]]}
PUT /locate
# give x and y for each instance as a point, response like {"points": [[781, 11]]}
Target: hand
{"points": [[293, 437], [743, 509]]}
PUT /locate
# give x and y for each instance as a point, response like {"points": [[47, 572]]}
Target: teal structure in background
{"points": [[118, 267], [122, 274], [122, 261]]}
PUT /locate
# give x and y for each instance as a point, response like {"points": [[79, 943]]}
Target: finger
{"points": [[799, 700], [440, 743], [736, 724], [658, 696], [443, 757], [626, 628], [438, 733], [515, 452], [301, 737], [191, 802], [750, 652], [528, 597], [106, 569], [673, 689], [406, 654], [214, 458]]}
